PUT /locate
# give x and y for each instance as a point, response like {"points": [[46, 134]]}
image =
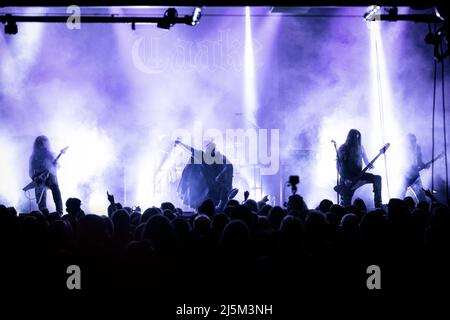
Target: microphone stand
{"points": [[337, 169]]}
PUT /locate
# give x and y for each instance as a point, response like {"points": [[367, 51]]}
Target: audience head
{"points": [[121, 222], [397, 211], [410, 203], [202, 225], [251, 204], [360, 205], [168, 206], [296, 202], [207, 207], [325, 205], [235, 237], [150, 212], [276, 215]]}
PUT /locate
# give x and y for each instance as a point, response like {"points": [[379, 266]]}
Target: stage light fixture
{"points": [[169, 19], [196, 15], [370, 15], [10, 25], [392, 11], [436, 39], [442, 11]]}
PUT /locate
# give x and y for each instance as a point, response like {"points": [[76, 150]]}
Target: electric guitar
{"points": [[349, 185], [414, 173], [39, 179]]}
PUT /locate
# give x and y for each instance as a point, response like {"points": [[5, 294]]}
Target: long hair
{"points": [[41, 148], [353, 141]]}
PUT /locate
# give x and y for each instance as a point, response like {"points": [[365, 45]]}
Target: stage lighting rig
{"points": [[440, 38], [169, 19], [391, 14]]}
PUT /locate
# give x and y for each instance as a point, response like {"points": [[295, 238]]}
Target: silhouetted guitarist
{"points": [[351, 156], [414, 166], [42, 170]]}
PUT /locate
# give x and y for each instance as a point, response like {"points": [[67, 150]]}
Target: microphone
{"points": [[332, 141]]}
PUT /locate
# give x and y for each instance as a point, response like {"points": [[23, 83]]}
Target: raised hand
{"points": [[110, 197], [265, 198], [246, 195]]}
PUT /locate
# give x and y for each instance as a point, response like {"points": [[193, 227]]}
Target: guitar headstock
{"points": [[64, 150], [176, 141], [385, 147]]}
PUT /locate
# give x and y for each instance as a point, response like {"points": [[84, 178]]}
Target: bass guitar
{"points": [[414, 174], [349, 185]]}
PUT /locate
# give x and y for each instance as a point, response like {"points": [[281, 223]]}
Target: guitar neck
{"points": [[432, 161], [371, 162], [57, 158], [382, 151]]}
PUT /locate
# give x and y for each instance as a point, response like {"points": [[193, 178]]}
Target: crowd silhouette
{"points": [[249, 250]]}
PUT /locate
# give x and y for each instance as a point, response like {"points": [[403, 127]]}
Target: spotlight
{"points": [[196, 15], [442, 10], [193, 19], [371, 14], [10, 26], [169, 19]]}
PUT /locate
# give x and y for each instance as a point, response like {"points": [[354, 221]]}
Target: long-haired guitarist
{"points": [[414, 166], [351, 156], [42, 170]]}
